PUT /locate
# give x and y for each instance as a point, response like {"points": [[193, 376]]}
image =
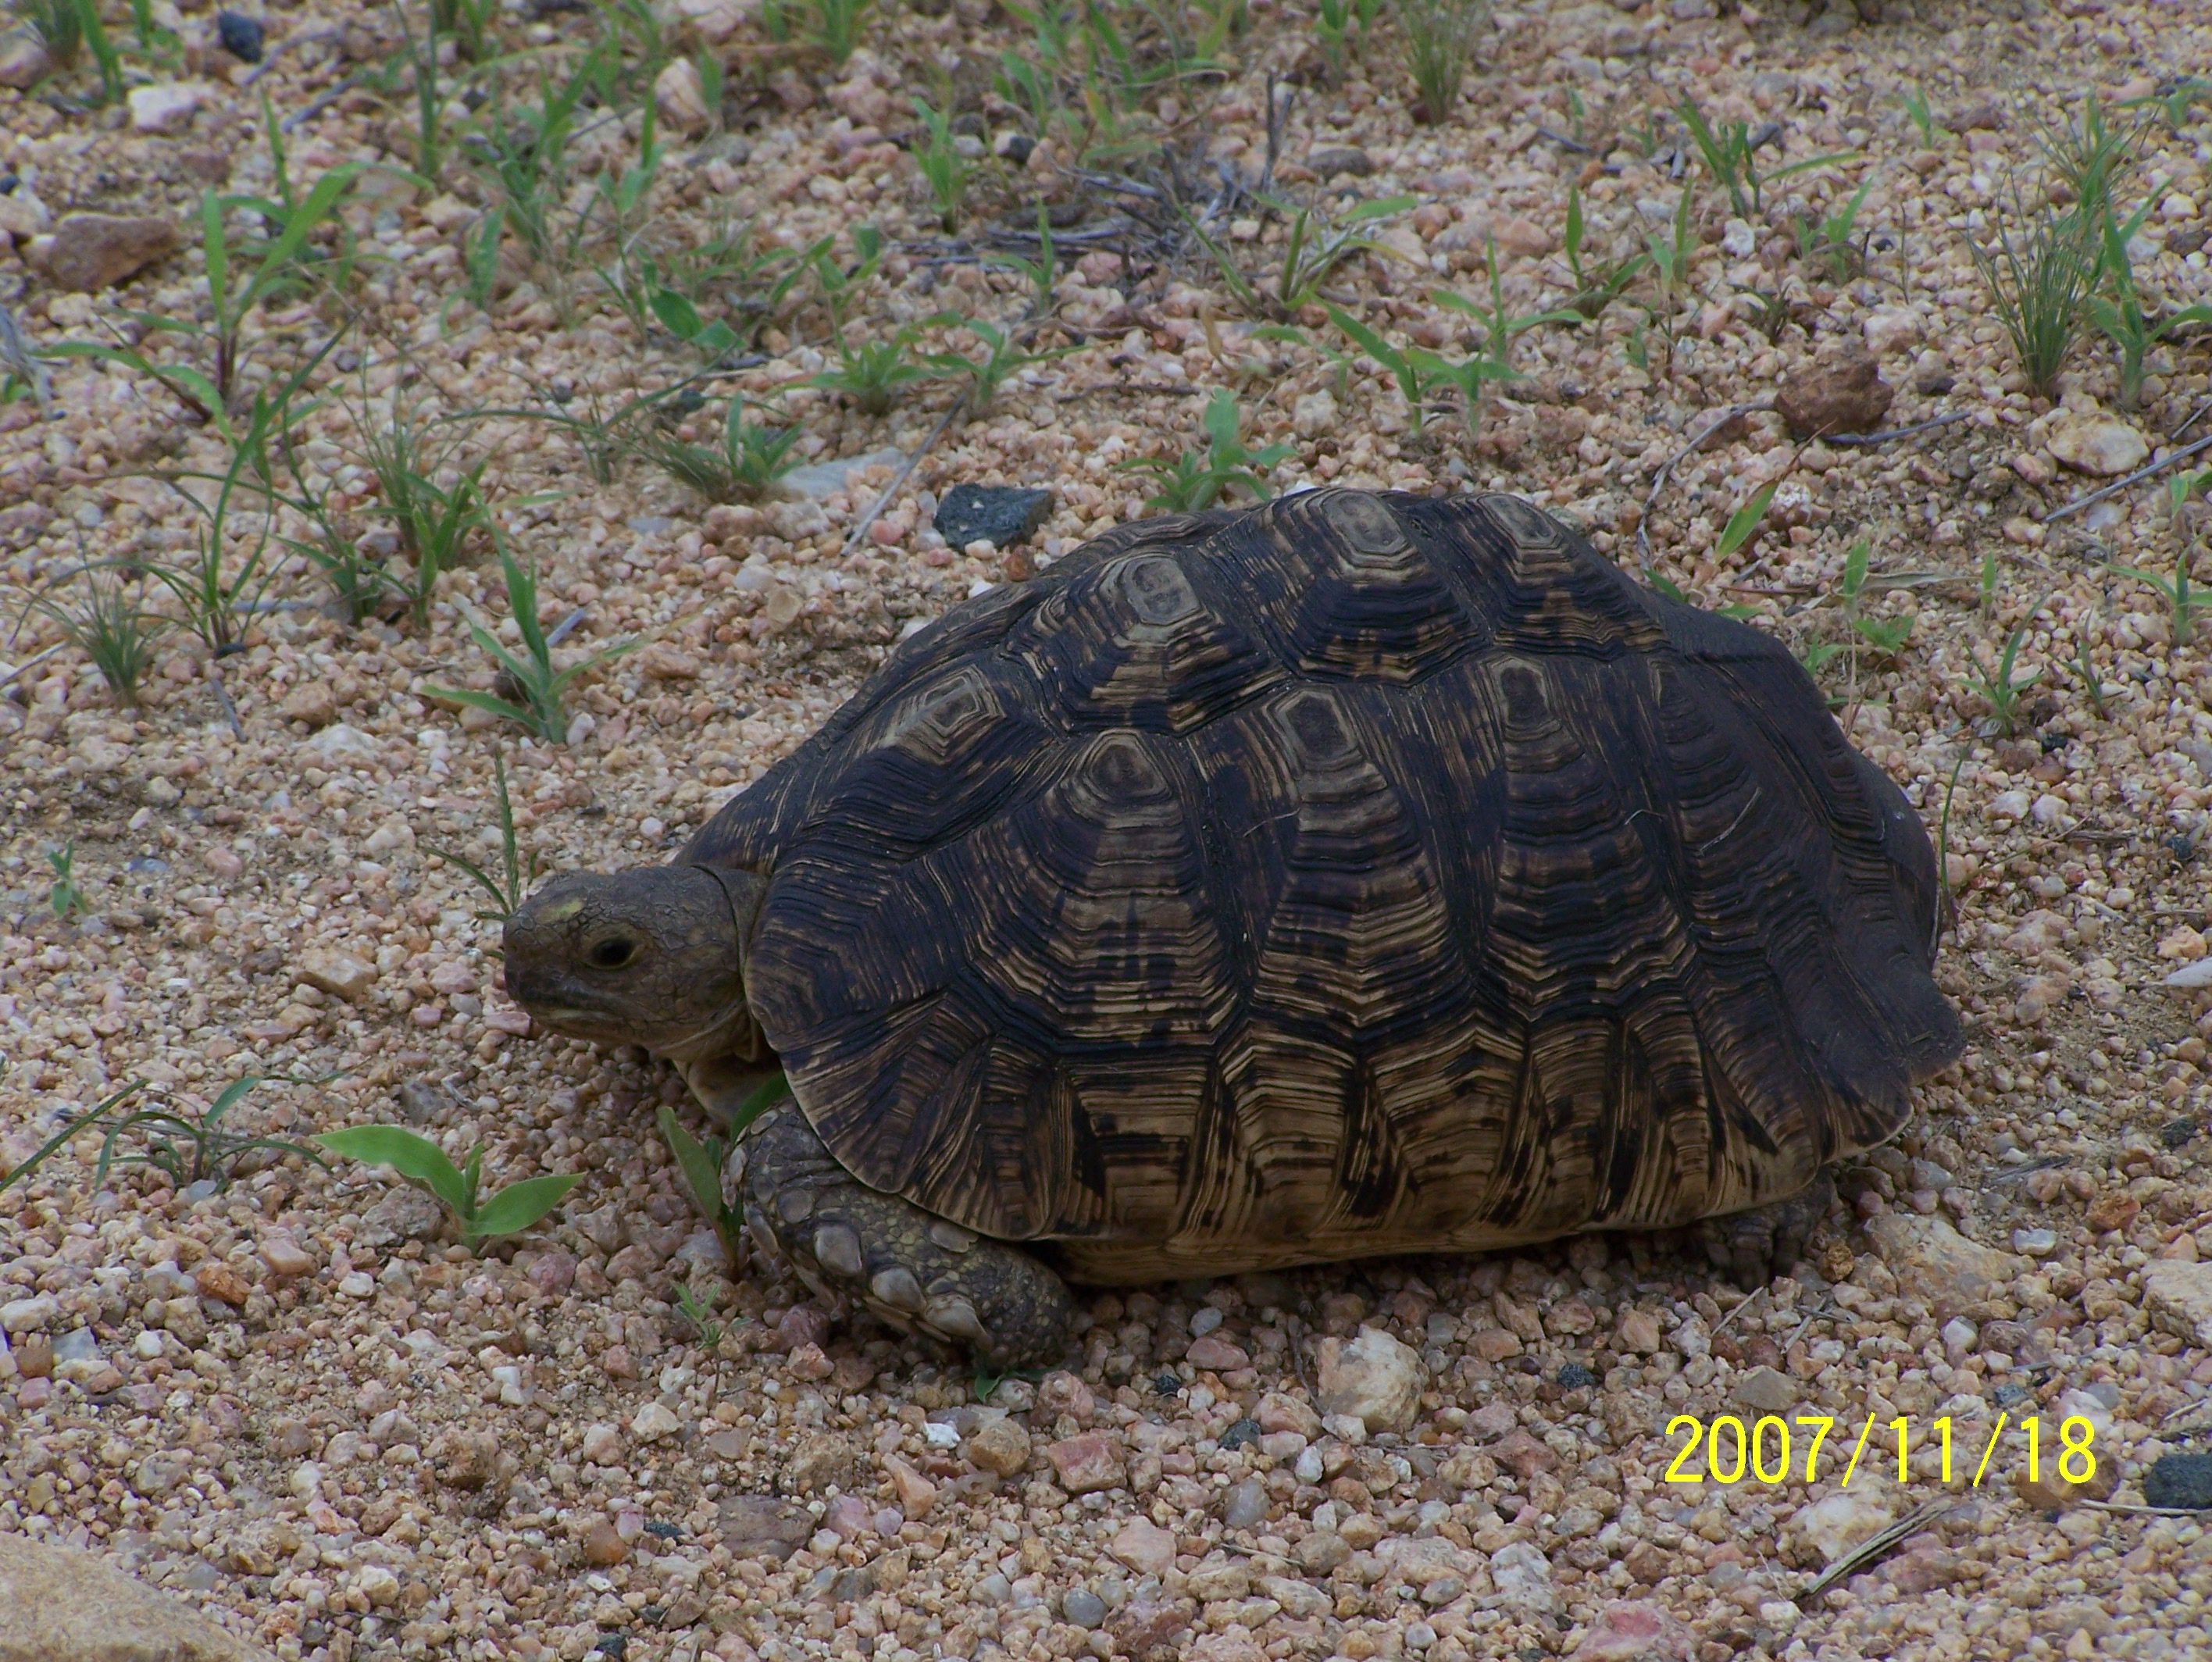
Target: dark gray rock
{"points": [[241, 35], [2179, 1480], [1001, 515]]}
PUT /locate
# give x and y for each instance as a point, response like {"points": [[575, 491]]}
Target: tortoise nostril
{"points": [[613, 953]]}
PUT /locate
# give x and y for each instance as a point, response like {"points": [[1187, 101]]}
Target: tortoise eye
{"points": [[613, 953]]}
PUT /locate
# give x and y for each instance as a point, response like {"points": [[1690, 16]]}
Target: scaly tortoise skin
{"points": [[1358, 874]]}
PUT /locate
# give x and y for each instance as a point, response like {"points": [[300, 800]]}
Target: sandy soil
{"points": [[297, 1402]]}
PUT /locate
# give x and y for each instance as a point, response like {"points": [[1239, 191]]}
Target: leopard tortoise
{"points": [[1356, 874]]}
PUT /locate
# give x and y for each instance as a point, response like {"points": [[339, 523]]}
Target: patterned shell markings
{"points": [[1332, 879]]}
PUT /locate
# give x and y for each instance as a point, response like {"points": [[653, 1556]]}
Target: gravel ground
{"points": [[296, 1402]]}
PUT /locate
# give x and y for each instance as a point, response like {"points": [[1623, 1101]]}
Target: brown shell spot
{"points": [[1351, 590], [1134, 642], [1156, 589], [1316, 729], [1527, 524]]}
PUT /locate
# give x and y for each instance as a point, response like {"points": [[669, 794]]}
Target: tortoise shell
{"points": [[1356, 874]]}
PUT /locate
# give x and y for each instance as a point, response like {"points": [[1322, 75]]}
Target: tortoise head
{"points": [[654, 956]]}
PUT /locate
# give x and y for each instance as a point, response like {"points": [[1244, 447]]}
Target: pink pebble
{"points": [[35, 1394]]}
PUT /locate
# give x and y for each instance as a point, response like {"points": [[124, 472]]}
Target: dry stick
{"points": [[860, 525], [269, 56], [222, 697], [1877, 1546], [2136, 477], [1659, 479], [7, 677], [1887, 433]]}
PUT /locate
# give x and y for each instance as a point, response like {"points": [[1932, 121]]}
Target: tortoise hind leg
{"points": [[916, 1270], [1757, 1246]]}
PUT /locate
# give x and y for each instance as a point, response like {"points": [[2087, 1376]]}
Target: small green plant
{"points": [[56, 25], [689, 1306], [1922, 116], [234, 295], [515, 874], [1773, 310], [2039, 285], [218, 595], [874, 375], [1191, 483], [1314, 246], [423, 1163], [1004, 358], [103, 49], [1597, 283], [521, 150], [2090, 155], [187, 1148], [1743, 525], [109, 623], [1043, 272], [1499, 326], [1399, 364], [1672, 256], [1832, 242], [701, 1164], [1334, 23], [748, 458], [1436, 38], [832, 28], [943, 169], [433, 521], [2119, 312], [2175, 100], [1731, 158], [2000, 687], [64, 897], [2183, 599], [467, 24], [1886, 637], [2083, 665], [540, 691]]}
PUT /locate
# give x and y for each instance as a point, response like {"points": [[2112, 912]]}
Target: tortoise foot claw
{"points": [[1755, 1246], [917, 1272]]}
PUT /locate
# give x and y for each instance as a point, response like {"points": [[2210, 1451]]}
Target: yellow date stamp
{"points": [[1726, 1450]]}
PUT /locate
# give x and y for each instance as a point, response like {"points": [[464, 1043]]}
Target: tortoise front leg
{"points": [[916, 1270]]}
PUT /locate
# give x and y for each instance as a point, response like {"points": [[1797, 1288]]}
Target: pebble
{"points": [[2179, 1480], [653, 1421], [1144, 1546], [602, 1545], [1083, 1607], [817, 481], [1522, 1576], [1934, 1263], [167, 109], [999, 1446], [67, 1605], [1000, 515], [93, 251], [1844, 395], [1088, 1462], [2035, 1243], [2096, 445], [1248, 1505], [1834, 1523], [240, 35], [1372, 1378], [2179, 1296], [1640, 1630]]}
